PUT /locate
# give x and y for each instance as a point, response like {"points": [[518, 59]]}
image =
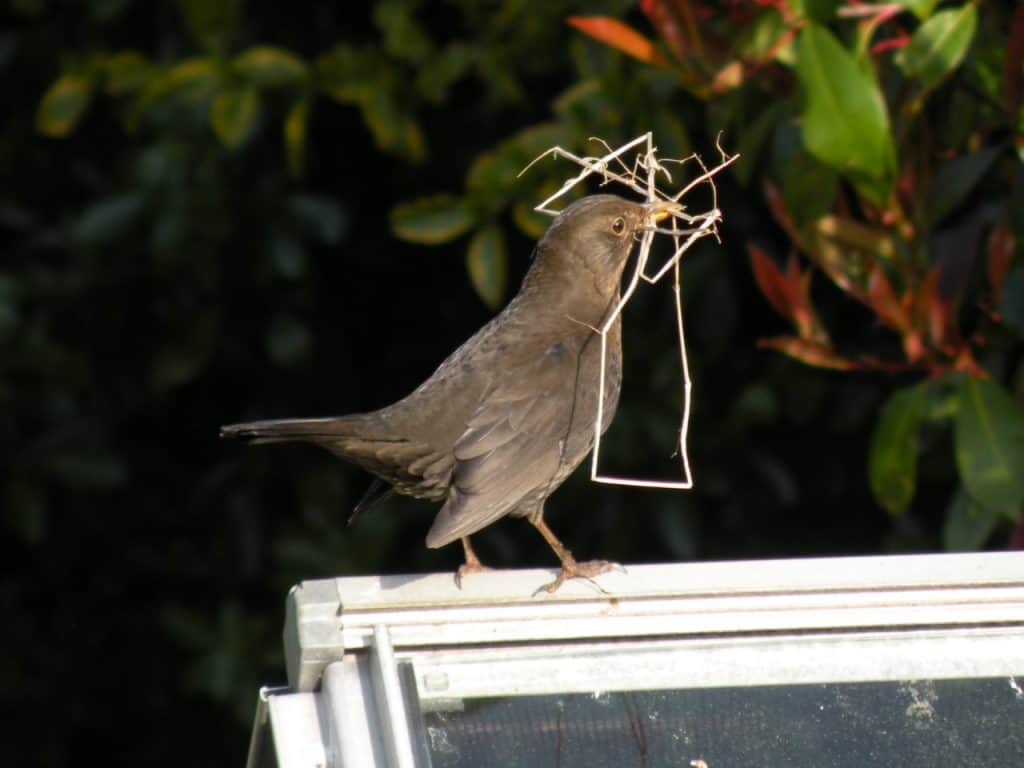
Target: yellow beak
{"points": [[660, 210]]}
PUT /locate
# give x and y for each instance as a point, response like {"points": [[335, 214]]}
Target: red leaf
{"points": [[620, 36], [664, 20], [780, 213], [1000, 257], [881, 298], [809, 352], [935, 313], [1012, 62], [775, 286]]}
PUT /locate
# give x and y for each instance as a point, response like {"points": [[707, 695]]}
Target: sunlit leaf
{"points": [[990, 446], [816, 10], [892, 460], [620, 36], [431, 220], [851, 233], [920, 8], [808, 352], [233, 114], [195, 79], [63, 105], [487, 263], [845, 123], [939, 45], [266, 66]]}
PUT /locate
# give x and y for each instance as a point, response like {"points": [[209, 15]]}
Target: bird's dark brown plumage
{"points": [[505, 419]]}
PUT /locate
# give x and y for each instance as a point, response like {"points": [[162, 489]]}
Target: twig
{"points": [[641, 177]]}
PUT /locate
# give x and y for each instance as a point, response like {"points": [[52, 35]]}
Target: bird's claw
{"points": [[588, 570], [466, 569]]}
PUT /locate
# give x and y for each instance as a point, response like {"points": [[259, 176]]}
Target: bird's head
{"points": [[591, 239]]}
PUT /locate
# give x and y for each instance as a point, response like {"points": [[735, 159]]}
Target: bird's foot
{"points": [[574, 570], [467, 568]]}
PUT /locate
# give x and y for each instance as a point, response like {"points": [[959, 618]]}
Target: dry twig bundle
{"points": [[685, 229]]}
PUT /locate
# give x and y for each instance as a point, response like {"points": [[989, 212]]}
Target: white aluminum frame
{"points": [[656, 627]]}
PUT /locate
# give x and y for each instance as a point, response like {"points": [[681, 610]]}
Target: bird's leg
{"points": [[571, 569], [472, 564]]}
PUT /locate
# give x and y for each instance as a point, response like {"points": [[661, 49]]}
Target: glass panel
{"points": [[914, 723]]}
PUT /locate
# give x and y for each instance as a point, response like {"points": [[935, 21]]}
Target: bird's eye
{"points": [[619, 226]]}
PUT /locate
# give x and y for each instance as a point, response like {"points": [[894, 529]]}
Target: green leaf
{"points": [[296, 125], [1011, 308], [939, 45], [530, 221], [350, 75], [393, 127], [126, 72], [816, 10], [431, 220], [989, 432], [63, 105], [808, 187], [920, 8], [194, 79], [487, 263], [107, 220], [845, 123], [955, 180], [967, 525], [288, 257], [289, 341], [89, 469], [186, 351], [211, 24], [892, 460], [319, 217], [403, 37], [436, 75], [269, 67], [753, 134], [233, 114]]}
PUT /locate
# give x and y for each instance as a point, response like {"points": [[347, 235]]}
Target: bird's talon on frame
{"points": [[588, 570], [468, 568]]}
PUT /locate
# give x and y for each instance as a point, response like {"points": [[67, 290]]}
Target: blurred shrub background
{"points": [[225, 211]]}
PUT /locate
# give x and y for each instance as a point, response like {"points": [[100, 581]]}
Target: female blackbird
{"points": [[510, 414]]}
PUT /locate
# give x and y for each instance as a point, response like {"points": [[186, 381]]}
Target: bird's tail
{"points": [[289, 430]]}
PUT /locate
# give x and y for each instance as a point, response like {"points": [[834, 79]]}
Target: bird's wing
{"points": [[513, 444]]}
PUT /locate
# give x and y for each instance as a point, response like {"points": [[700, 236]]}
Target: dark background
{"points": [[155, 285]]}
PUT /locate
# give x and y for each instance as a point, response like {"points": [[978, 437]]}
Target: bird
{"points": [[508, 416]]}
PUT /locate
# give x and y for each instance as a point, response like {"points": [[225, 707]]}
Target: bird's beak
{"points": [[660, 210]]}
